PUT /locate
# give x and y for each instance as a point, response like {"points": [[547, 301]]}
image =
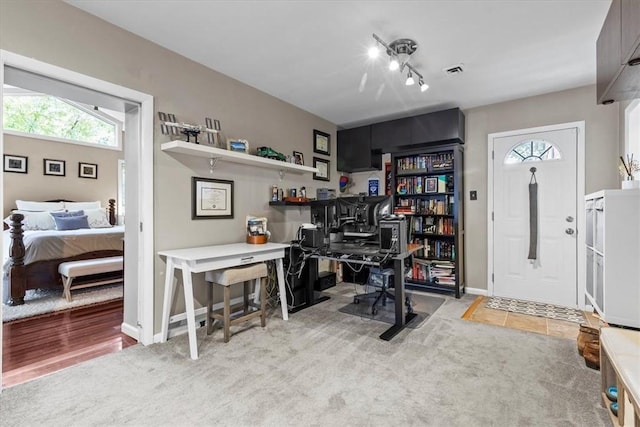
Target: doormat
{"points": [[42, 301], [536, 309], [423, 305]]}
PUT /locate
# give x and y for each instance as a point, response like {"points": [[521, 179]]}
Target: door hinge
{"points": [[492, 278], [491, 216], [141, 227]]}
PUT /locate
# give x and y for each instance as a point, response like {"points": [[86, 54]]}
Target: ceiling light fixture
{"points": [[399, 52]]}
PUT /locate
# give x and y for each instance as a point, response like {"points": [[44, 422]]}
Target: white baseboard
{"points": [[476, 291], [130, 330], [201, 316]]}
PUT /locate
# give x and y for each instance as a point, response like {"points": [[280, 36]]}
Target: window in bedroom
{"points": [[44, 116]]}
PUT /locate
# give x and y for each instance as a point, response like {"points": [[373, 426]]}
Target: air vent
{"points": [[454, 69]]}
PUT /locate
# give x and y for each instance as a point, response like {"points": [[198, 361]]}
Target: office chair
{"points": [[381, 278]]}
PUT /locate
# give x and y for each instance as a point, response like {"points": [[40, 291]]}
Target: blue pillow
{"points": [[71, 222], [66, 214]]}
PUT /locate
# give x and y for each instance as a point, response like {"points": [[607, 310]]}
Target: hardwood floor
{"points": [[44, 344]]}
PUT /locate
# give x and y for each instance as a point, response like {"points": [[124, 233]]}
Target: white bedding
{"points": [[54, 244]]}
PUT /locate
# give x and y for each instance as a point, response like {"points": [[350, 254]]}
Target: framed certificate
{"points": [[211, 198], [323, 169], [321, 142]]}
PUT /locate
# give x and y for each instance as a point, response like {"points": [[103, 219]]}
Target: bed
{"points": [[32, 256]]}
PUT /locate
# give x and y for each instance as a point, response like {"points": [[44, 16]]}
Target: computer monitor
{"points": [[358, 216]]}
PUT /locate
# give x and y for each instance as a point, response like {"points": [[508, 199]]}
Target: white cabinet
{"points": [[613, 255]]}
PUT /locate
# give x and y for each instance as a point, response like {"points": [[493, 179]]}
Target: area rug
{"points": [[549, 311], [42, 301], [424, 307]]}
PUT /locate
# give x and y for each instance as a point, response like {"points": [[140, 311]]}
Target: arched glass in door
{"points": [[532, 150]]}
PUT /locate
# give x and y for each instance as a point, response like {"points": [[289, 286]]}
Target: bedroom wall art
{"points": [[16, 164], [54, 167], [88, 170]]}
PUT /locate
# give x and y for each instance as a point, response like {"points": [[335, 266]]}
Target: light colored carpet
{"points": [[42, 301], [326, 368]]}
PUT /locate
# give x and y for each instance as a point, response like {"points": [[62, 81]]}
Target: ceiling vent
{"points": [[454, 69]]}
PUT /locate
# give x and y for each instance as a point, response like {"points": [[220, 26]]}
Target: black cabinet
{"points": [[355, 152], [388, 136], [439, 127], [618, 53]]}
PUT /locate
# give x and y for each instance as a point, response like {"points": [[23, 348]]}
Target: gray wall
{"points": [[36, 186], [56, 33]]}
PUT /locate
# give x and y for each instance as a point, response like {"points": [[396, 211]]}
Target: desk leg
{"points": [[190, 311], [282, 289], [399, 295], [168, 296]]}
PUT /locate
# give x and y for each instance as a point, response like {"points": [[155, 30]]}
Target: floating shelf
{"points": [[192, 149]]}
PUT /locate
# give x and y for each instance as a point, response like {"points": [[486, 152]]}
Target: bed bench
{"points": [[96, 268]]}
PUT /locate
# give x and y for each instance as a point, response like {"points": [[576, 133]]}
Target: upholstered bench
{"points": [[88, 267], [226, 278]]}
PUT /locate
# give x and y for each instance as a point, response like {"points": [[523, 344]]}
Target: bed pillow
{"points": [[73, 206], [97, 218], [34, 220], [66, 214], [71, 222], [23, 205]]}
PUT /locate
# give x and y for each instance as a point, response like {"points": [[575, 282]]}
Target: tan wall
{"points": [[59, 34], [34, 185], [601, 154]]}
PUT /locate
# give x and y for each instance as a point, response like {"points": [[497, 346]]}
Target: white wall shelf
{"points": [[189, 148]]}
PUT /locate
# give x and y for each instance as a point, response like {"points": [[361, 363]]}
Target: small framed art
{"points": [[321, 142], [323, 169], [211, 198], [88, 170], [54, 167], [16, 164], [431, 185], [299, 158], [238, 145]]}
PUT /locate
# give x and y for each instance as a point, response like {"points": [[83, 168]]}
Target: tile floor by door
{"points": [[478, 312]]}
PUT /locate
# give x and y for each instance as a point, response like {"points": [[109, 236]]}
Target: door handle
{"points": [[569, 231]]}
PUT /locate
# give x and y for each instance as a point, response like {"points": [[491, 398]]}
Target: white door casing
{"points": [[553, 276]]}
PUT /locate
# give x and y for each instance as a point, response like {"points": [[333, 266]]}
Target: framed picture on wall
{"points": [[211, 198], [54, 167], [323, 169], [16, 164], [87, 170], [321, 142]]}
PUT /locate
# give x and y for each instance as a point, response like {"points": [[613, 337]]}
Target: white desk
{"points": [[207, 258]]}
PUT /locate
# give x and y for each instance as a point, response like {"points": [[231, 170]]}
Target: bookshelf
{"points": [[428, 190]]}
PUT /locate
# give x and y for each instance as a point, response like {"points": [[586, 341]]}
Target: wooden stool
{"points": [[228, 277]]}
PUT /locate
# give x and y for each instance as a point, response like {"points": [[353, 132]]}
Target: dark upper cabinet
{"points": [[617, 53], [355, 152], [439, 127], [388, 136]]}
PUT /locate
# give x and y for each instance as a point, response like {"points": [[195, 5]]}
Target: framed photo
{"points": [[431, 185], [17, 164], [238, 145], [211, 198], [54, 167], [299, 157], [88, 170], [323, 169], [321, 142]]}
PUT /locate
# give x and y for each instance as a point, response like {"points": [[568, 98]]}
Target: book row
{"points": [[440, 206], [433, 248], [433, 273], [424, 184], [425, 162], [429, 224]]}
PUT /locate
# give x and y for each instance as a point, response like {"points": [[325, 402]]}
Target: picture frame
{"points": [[87, 170], [431, 185], [211, 198], [54, 167], [16, 164], [238, 145], [299, 158], [321, 142], [323, 169]]}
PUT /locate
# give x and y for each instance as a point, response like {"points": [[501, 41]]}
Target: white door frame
{"points": [[580, 220], [144, 257]]}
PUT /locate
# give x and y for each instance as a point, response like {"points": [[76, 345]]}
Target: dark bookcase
{"points": [[429, 191]]}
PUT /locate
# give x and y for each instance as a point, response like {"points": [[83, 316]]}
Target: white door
{"points": [[551, 276]]}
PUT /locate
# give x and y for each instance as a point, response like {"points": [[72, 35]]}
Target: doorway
{"points": [[537, 260], [138, 107]]}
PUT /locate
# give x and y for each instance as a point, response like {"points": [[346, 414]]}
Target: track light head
{"points": [[394, 64], [409, 80], [374, 52], [399, 52], [423, 86]]}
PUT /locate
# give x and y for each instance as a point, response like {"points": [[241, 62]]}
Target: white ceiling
{"points": [[313, 54]]}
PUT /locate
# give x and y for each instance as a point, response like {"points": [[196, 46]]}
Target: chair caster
{"points": [[374, 311], [356, 301]]}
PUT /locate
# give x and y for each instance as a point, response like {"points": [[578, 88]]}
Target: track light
{"points": [[410, 80], [399, 52], [374, 52]]}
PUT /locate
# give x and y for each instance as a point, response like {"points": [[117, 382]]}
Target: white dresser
{"points": [[613, 255]]}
